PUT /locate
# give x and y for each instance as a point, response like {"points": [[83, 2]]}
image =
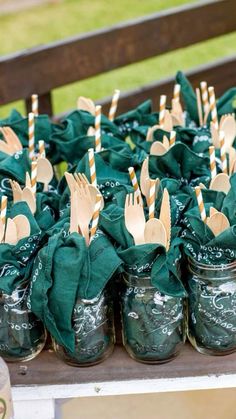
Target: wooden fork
{"points": [[134, 218]]}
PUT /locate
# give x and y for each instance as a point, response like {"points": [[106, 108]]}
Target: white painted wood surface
{"points": [[43, 402]]}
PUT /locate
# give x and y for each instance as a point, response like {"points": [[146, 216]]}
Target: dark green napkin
{"points": [[132, 119], [153, 323], [16, 261], [152, 258], [47, 212], [188, 96], [22, 335], [212, 323], [13, 167], [225, 104], [180, 163], [19, 124], [53, 292], [111, 169], [199, 241]]}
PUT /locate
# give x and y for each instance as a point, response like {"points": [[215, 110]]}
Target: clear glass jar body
{"points": [[212, 307], [153, 324], [22, 334], [93, 324], [6, 406]]}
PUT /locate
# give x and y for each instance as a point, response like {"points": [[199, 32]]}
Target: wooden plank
{"points": [[47, 369], [47, 67], [220, 73]]}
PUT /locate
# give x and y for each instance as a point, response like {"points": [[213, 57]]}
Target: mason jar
{"points": [[6, 405], [93, 324], [153, 323], [22, 334], [212, 307]]}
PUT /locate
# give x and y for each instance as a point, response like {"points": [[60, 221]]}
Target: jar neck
{"points": [[131, 280], [212, 272]]}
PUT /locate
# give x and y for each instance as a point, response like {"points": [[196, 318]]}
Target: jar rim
{"points": [[222, 266], [137, 276]]}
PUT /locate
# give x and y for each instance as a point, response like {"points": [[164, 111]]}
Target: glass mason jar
{"points": [[22, 334], [212, 307], [93, 324], [153, 324], [6, 406]]}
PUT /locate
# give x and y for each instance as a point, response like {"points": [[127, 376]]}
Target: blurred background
{"points": [[28, 23]]}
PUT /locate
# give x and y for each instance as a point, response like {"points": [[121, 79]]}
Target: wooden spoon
{"points": [[144, 178], [91, 132], [176, 120], [158, 149], [168, 126], [4, 148], [220, 183], [166, 142], [150, 132], [218, 222], [27, 180], [11, 139], [176, 108], [44, 172], [165, 216], [155, 232], [11, 232], [213, 211], [86, 104], [229, 127], [232, 159], [1, 231], [28, 197], [22, 226]]}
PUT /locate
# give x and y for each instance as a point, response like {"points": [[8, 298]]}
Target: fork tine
{"points": [[85, 178], [76, 178]]}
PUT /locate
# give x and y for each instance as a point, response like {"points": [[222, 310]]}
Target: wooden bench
{"points": [[45, 68]]}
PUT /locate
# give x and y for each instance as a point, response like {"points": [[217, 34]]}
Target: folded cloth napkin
{"points": [[65, 269], [16, 261], [151, 258]]}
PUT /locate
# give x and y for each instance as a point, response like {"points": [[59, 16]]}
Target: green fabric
{"points": [[226, 103], [188, 96], [19, 124], [111, 170], [22, 335], [144, 258], [47, 212], [94, 331], [132, 119], [64, 270], [153, 323], [16, 261], [13, 167], [82, 120], [73, 148], [180, 163], [199, 241], [212, 322]]}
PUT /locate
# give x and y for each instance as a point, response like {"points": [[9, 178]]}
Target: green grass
{"points": [[53, 22]]}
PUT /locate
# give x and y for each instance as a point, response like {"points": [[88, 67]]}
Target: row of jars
{"points": [[154, 325]]}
